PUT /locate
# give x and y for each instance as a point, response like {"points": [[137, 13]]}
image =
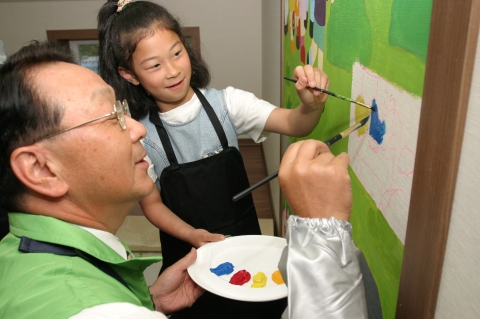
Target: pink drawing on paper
{"points": [[383, 154]]}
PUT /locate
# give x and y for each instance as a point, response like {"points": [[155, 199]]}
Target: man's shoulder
{"points": [[49, 280]]}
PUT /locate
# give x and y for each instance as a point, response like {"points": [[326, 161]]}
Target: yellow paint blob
{"points": [[361, 113], [277, 278], [259, 280]]}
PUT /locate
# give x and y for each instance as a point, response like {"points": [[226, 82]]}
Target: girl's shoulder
{"points": [[214, 96], [212, 91], [144, 119]]}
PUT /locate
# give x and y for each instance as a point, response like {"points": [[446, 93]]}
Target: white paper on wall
{"points": [[383, 151]]}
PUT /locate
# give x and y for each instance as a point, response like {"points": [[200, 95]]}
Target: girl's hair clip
{"points": [[121, 4]]}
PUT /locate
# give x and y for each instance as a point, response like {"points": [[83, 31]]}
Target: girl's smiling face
{"points": [[162, 66]]}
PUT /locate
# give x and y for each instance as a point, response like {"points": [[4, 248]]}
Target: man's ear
{"points": [[32, 167], [127, 75]]}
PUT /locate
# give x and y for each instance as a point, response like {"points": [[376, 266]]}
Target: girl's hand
{"points": [[200, 237], [307, 78]]}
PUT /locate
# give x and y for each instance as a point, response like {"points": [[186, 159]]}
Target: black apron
{"points": [[200, 193]]}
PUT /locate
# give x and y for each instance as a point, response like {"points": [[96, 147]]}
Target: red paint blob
{"points": [[240, 277]]}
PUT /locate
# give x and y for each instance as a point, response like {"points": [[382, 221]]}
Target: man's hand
{"points": [[315, 182], [174, 289]]}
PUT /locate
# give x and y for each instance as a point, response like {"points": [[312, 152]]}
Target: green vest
{"points": [[44, 285]]}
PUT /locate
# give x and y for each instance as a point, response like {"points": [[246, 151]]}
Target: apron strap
{"points": [[29, 245], [213, 118], [154, 117], [163, 134]]}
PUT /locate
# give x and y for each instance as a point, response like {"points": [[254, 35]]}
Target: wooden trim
{"points": [[194, 34], [67, 35], [448, 75], [92, 34]]}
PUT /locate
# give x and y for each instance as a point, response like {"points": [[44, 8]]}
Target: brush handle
{"points": [[332, 94], [272, 176], [334, 139], [254, 187], [329, 142]]}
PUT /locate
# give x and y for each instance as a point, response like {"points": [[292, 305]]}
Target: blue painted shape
{"points": [[223, 269], [317, 22], [319, 36], [377, 128], [312, 9]]}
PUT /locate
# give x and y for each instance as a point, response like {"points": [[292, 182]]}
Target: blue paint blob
{"points": [[377, 128], [223, 269]]}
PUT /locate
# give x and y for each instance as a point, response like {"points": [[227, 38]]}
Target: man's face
{"points": [[101, 163]]}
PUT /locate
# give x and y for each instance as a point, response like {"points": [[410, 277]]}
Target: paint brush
{"points": [[347, 132], [329, 142], [333, 94]]}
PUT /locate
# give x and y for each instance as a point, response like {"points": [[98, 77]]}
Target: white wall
{"points": [[230, 36], [21, 22], [230, 31], [459, 294], [271, 84]]}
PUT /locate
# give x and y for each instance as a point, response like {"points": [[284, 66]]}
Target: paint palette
{"points": [[255, 253]]}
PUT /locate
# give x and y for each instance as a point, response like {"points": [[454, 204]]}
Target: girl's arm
{"points": [[302, 120], [163, 218]]}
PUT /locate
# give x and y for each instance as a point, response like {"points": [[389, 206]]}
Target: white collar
{"points": [[183, 113], [109, 239]]}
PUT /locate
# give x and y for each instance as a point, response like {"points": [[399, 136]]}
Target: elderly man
{"points": [[72, 167]]}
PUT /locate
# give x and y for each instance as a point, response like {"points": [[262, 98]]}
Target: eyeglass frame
{"points": [[120, 109]]}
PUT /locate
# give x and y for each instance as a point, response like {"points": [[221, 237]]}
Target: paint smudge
{"points": [[223, 269], [240, 277], [259, 280], [377, 128], [277, 278]]}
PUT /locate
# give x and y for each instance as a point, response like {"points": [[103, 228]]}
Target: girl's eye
{"points": [[178, 53], [155, 66]]}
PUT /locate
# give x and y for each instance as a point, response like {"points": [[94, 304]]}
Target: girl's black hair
{"points": [[119, 34]]}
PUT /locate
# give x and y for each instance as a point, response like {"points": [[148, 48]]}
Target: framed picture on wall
{"points": [[3, 53], [86, 52]]}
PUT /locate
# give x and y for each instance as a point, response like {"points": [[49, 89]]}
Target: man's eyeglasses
{"points": [[120, 109]]}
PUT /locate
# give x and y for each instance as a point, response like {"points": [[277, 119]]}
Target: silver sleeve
{"points": [[321, 269]]}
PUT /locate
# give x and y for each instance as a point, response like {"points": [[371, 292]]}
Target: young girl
{"points": [[192, 134]]}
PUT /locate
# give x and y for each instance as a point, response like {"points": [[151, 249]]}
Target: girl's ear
{"points": [[127, 75], [32, 167]]}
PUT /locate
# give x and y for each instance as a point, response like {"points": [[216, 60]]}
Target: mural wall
{"points": [[374, 52]]}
